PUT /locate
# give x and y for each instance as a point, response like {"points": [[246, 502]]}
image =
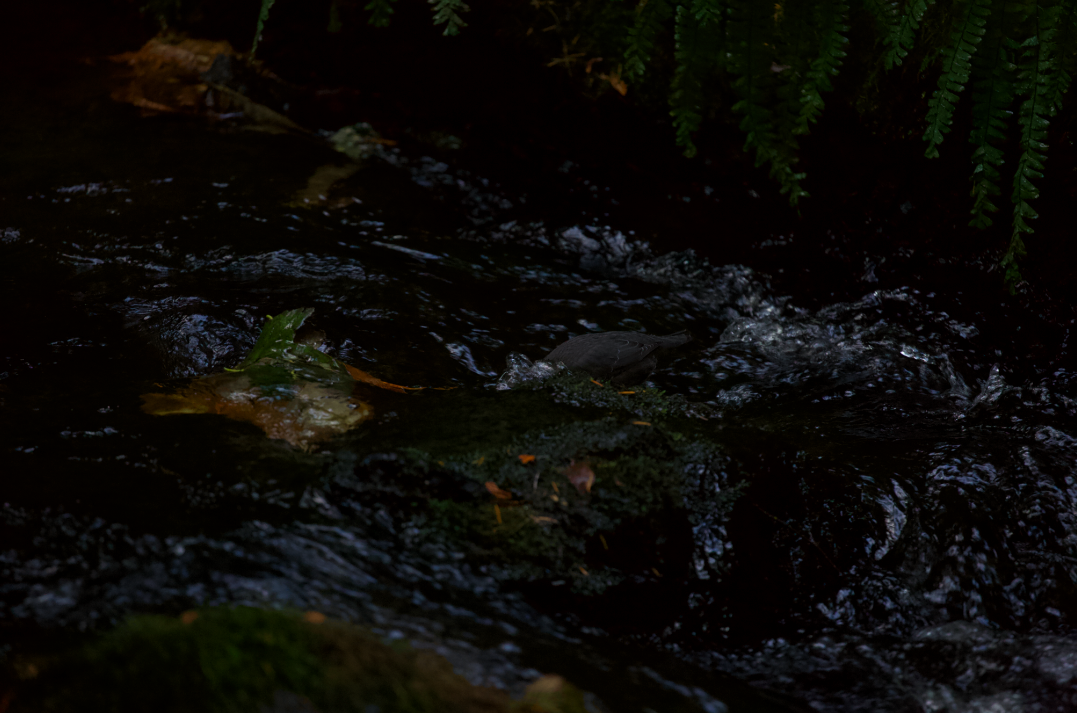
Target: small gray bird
{"points": [[623, 358]]}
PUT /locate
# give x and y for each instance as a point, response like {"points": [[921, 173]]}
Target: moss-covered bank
{"points": [[246, 659]]}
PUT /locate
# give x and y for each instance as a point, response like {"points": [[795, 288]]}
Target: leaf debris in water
{"points": [[291, 390]]}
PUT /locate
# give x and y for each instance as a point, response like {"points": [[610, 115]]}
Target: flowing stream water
{"points": [[858, 505]]}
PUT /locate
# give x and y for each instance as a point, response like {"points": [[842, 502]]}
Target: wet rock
{"points": [[521, 370]]}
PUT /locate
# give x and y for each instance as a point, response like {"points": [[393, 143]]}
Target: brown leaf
{"points": [[640, 423], [525, 459], [580, 475], [165, 77], [314, 617], [498, 492]]}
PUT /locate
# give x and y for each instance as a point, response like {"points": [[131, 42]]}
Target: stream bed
{"points": [[862, 504]]}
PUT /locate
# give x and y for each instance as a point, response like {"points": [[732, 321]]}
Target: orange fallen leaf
{"points": [[596, 382], [656, 572], [360, 375], [188, 617], [498, 492], [640, 423], [314, 617], [525, 459], [604, 545], [585, 573], [580, 475], [626, 392]]}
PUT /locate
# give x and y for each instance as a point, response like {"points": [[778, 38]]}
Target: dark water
{"points": [[905, 537]]}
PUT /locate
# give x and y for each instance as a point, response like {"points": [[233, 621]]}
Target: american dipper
{"points": [[623, 358]]}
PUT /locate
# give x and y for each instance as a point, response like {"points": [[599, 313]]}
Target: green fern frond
{"points": [[1065, 58], [904, 35], [887, 14], [380, 12], [829, 19], [263, 15], [992, 95], [706, 11], [650, 14], [1057, 87], [447, 12], [686, 91], [969, 29], [750, 34], [1035, 66]]}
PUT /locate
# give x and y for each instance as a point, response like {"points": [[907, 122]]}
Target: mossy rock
{"points": [[584, 502], [245, 659]]}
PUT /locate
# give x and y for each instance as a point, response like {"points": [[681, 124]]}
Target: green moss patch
{"points": [[243, 659], [587, 503]]}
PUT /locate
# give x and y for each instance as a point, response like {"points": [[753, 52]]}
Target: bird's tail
{"points": [[676, 339]]}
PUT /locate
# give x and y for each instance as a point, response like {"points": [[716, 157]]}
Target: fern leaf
{"points": [[707, 11], [686, 91], [1062, 77], [969, 29], [1037, 62], [991, 96], [748, 59], [830, 22], [887, 15], [650, 14], [263, 15], [904, 33], [380, 12], [447, 12]]}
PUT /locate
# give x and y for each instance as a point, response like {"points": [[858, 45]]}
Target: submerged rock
{"points": [[521, 370]]}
